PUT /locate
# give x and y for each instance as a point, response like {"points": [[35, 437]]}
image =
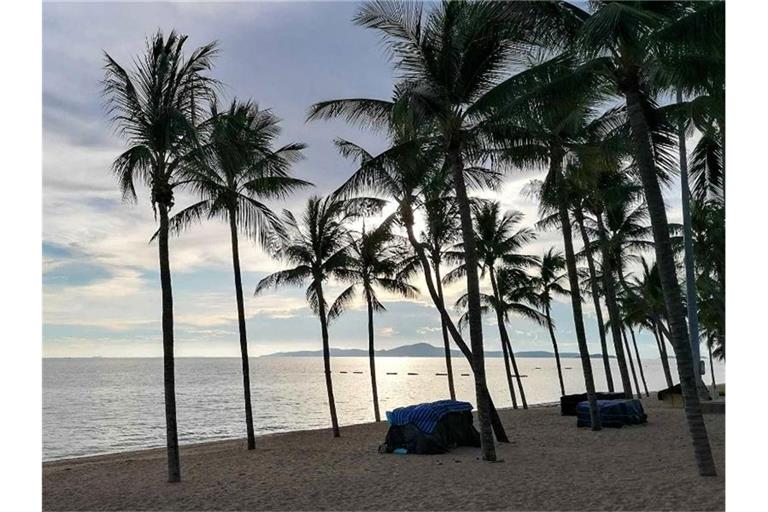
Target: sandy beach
{"points": [[549, 465]]}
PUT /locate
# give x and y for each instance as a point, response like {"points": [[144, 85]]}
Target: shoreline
{"points": [[230, 439], [548, 465]]}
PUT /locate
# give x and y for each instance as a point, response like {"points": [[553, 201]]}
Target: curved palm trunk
{"points": [[407, 217], [663, 354], [614, 314], [444, 329], [667, 272], [554, 347], [631, 362], [507, 346], [595, 298], [243, 337], [327, 358], [639, 361], [690, 276], [473, 303], [169, 378], [556, 158], [372, 360]]}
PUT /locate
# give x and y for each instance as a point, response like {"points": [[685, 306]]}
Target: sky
{"points": [[101, 290]]}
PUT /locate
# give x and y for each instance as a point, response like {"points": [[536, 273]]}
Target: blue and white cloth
{"points": [[426, 416]]}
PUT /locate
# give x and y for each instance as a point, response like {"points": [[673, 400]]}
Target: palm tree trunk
{"points": [[639, 361], [508, 372], [243, 337], [554, 347], [169, 378], [671, 289], [372, 360], [407, 217], [556, 158], [712, 367], [444, 329], [595, 298], [327, 357], [614, 314], [518, 377], [506, 347], [690, 276], [473, 302], [631, 363], [663, 354]]}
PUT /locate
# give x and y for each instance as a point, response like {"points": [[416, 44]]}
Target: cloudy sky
{"points": [[100, 275]]}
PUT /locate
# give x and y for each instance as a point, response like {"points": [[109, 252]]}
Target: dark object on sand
{"points": [[568, 403], [667, 394], [674, 395], [613, 413], [430, 428]]}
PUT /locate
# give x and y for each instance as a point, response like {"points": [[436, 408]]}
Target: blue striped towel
{"points": [[425, 416]]}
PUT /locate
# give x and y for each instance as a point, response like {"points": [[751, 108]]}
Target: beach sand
{"points": [[549, 465]]}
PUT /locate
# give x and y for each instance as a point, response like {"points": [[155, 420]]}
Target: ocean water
{"points": [[93, 406]]}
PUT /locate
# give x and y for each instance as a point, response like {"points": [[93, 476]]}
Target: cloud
{"points": [[100, 273]]}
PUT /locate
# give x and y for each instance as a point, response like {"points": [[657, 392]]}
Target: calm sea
{"points": [[93, 406]]}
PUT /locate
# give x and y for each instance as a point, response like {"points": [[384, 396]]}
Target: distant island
{"points": [[418, 350]]}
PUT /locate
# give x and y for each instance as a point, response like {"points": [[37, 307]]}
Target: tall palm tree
{"points": [[625, 234], [440, 234], [594, 289], [155, 107], [690, 273], [621, 37], [597, 188], [448, 59], [644, 303], [235, 168], [543, 127], [627, 322], [402, 172], [498, 241], [549, 280], [376, 258], [319, 246], [708, 222], [516, 294]]}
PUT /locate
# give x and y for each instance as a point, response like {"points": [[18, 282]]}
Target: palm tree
{"points": [[599, 189], [402, 172], [497, 242], [627, 322], [549, 281], [708, 222], [235, 168], [594, 289], [543, 128], [516, 294], [319, 246], [644, 303], [621, 37], [448, 60], [439, 235], [376, 258], [155, 107]]}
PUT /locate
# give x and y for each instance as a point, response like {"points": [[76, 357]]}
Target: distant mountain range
{"points": [[417, 350]]}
